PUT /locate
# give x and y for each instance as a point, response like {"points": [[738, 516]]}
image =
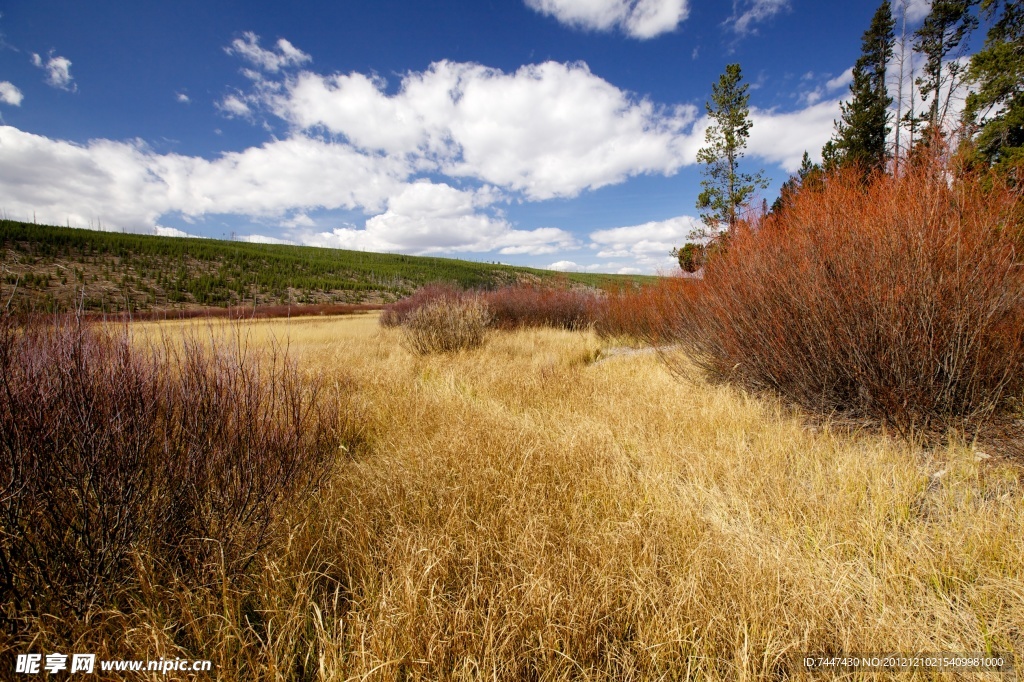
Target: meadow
{"points": [[549, 507], [815, 448]]}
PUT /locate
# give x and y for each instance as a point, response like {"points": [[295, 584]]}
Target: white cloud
{"points": [[814, 96], [283, 55], [300, 219], [647, 245], [9, 94], [183, 98], [58, 71], [637, 18], [747, 13], [916, 9], [782, 138], [233, 106], [564, 266], [262, 239], [426, 218], [840, 81], [546, 130], [482, 136], [126, 185], [162, 231], [572, 266]]}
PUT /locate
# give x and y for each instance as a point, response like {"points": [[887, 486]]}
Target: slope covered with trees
{"points": [[55, 268]]}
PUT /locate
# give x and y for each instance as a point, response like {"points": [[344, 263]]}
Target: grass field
{"points": [[544, 508]]}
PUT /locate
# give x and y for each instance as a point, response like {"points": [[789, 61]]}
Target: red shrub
{"points": [[398, 312], [238, 312], [185, 455], [645, 312], [535, 306], [902, 300]]}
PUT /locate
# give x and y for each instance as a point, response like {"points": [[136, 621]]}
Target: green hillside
{"points": [[52, 268]]}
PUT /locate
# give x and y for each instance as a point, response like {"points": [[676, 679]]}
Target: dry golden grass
{"points": [[520, 511]]}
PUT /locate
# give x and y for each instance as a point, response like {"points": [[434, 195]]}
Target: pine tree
{"points": [[996, 108], [943, 33], [808, 175], [863, 129], [726, 191]]}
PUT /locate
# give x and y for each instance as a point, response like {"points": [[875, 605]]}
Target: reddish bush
{"points": [[239, 312], [645, 312], [536, 306], [398, 312], [109, 452], [902, 300], [509, 307]]}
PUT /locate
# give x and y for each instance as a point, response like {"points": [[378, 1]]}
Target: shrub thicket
{"points": [[535, 306], [398, 312], [646, 312], [446, 326], [901, 300], [180, 458]]}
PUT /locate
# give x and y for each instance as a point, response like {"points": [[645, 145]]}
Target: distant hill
{"points": [[43, 267]]}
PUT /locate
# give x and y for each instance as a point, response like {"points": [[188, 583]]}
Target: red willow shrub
{"points": [[237, 312], [645, 312], [398, 312], [509, 307], [901, 301], [535, 306], [181, 456]]}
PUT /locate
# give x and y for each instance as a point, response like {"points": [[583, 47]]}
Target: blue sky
{"points": [[552, 133]]}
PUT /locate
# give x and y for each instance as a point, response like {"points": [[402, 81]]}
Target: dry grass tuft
{"points": [[446, 326]]}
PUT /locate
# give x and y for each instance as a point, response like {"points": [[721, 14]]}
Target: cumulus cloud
{"points": [[262, 239], [782, 138], [234, 106], [283, 55], [183, 98], [426, 218], [916, 10], [637, 18], [746, 14], [840, 81], [564, 266], [546, 130], [58, 71], [814, 96], [162, 231], [9, 94], [648, 245], [127, 185], [429, 163]]}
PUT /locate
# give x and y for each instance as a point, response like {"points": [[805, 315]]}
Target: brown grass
{"points": [[520, 511]]}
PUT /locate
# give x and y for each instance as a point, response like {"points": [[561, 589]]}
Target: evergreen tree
{"points": [[863, 129], [726, 191], [996, 108], [808, 175], [944, 31]]}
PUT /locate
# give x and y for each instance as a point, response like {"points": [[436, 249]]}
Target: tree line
{"points": [[870, 135]]}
